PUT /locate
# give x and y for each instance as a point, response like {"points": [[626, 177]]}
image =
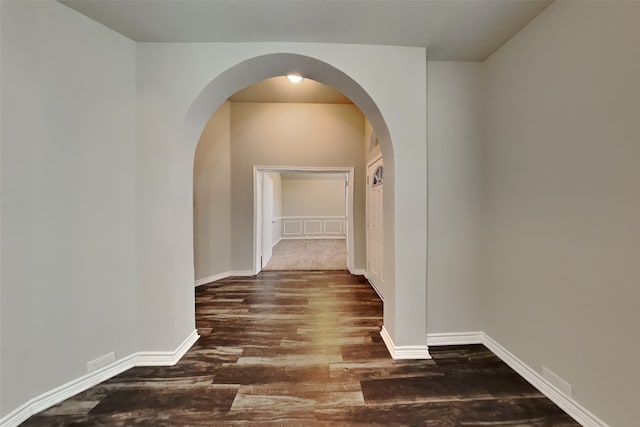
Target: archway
{"points": [[276, 64]]}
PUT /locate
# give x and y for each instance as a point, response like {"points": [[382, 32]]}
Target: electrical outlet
{"points": [[556, 381], [101, 361]]}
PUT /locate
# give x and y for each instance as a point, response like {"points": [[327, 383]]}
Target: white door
{"points": [[267, 219], [375, 238]]}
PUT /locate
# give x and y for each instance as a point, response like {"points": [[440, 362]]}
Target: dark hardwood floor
{"points": [[303, 348]]}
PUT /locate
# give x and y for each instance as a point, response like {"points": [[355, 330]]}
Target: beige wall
{"points": [[241, 135], [563, 128], [313, 197], [212, 197], [291, 135]]}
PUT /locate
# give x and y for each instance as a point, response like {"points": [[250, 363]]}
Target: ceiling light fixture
{"points": [[294, 78]]}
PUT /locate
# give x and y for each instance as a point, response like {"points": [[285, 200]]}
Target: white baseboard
{"points": [[312, 237], [366, 276], [376, 289], [241, 273], [165, 358], [357, 271], [216, 277], [399, 352], [455, 338], [70, 389], [565, 402]]}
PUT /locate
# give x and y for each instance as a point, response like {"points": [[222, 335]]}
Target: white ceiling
{"points": [[457, 30]]}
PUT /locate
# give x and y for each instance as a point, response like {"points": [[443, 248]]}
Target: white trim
{"points": [[241, 273], [339, 222], [374, 159], [367, 236], [357, 271], [214, 278], [565, 402], [557, 381], [342, 217], [166, 358], [285, 229], [310, 226], [348, 227], [78, 385], [455, 338], [312, 237], [313, 222], [366, 275], [404, 351]]}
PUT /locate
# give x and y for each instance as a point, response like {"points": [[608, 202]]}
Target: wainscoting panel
{"points": [[292, 227], [333, 226], [313, 227]]}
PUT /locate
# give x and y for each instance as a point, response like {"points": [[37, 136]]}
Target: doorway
{"points": [[324, 235], [375, 226], [405, 238]]}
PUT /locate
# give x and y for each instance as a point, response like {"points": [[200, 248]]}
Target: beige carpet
{"points": [[309, 254]]}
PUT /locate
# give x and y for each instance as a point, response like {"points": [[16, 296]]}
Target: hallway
{"points": [[303, 348]]}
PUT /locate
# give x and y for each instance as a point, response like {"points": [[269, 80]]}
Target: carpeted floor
{"points": [[309, 254]]}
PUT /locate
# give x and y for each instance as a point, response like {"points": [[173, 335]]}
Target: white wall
{"points": [[68, 262], [281, 134], [97, 182], [313, 197], [563, 109], [212, 197], [456, 184], [180, 85]]}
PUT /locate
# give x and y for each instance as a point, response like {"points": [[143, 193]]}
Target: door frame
{"points": [[266, 221], [370, 163], [258, 172]]}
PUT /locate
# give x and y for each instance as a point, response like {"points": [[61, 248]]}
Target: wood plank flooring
{"points": [[304, 349]]}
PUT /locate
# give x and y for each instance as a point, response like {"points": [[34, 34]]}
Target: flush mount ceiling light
{"points": [[294, 78]]}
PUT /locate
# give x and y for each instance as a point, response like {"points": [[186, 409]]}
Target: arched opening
{"points": [[310, 144], [262, 67]]}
